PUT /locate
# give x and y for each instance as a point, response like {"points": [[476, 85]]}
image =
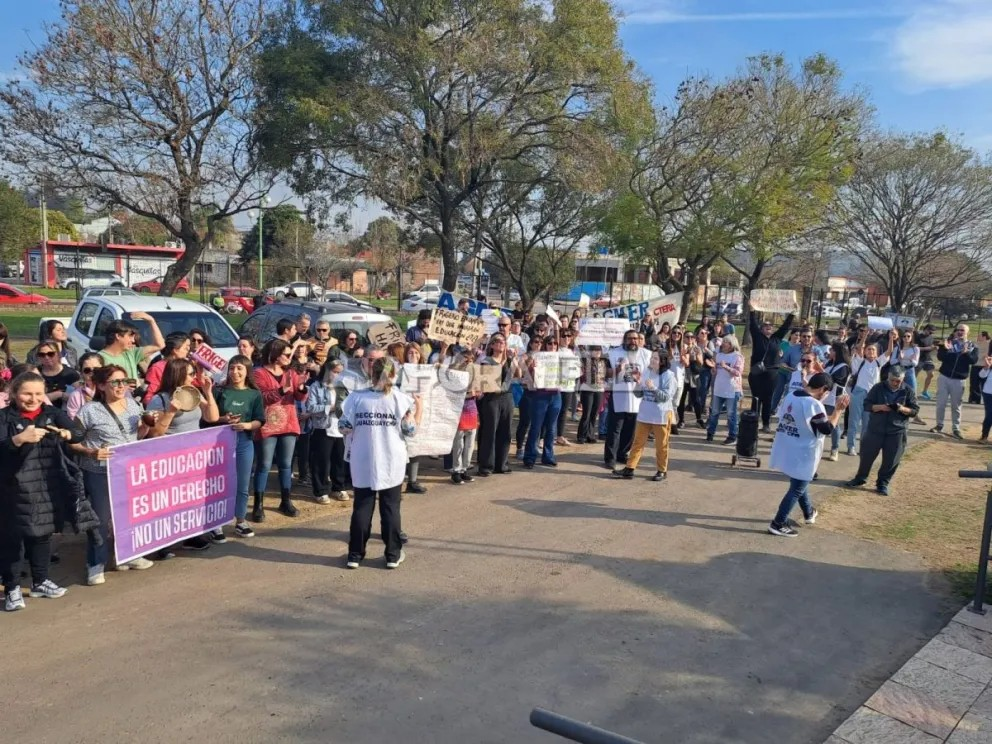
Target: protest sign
{"points": [[583, 300], [902, 321], [660, 310], [491, 317], [487, 378], [602, 331], [778, 301], [167, 489], [547, 370], [449, 301], [552, 315], [442, 393], [210, 359], [454, 328], [878, 323], [384, 334]]}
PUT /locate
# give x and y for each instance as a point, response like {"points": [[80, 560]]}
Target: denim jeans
{"points": [[718, 405], [910, 380], [835, 434], [244, 459], [798, 491], [524, 417], [781, 383], [703, 391], [280, 449], [544, 410], [98, 490], [859, 416]]}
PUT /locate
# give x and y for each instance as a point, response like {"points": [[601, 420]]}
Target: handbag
{"points": [[277, 419]]}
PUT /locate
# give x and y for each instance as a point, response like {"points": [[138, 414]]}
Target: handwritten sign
{"points": [[210, 359], [168, 489], [454, 328], [778, 301], [547, 370], [602, 331], [442, 393], [491, 317], [384, 334]]}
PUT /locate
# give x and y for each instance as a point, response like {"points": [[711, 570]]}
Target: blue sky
{"points": [[926, 64]]}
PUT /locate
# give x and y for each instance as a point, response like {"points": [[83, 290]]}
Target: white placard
{"points": [[878, 323], [602, 331], [442, 393]]}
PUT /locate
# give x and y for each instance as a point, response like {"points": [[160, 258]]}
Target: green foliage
{"points": [[18, 228], [284, 230], [58, 224]]}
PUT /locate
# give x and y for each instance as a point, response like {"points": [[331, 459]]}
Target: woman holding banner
{"points": [[111, 419], [496, 413], [378, 420]]}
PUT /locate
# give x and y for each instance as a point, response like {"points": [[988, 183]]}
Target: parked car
{"points": [[13, 296], [828, 312], [110, 292], [416, 303], [304, 290], [89, 322], [261, 324], [88, 278], [429, 290], [152, 286], [344, 297], [237, 299], [603, 300]]}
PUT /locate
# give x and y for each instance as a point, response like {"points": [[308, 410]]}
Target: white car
{"points": [[303, 290], [416, 303], [829, 312]]}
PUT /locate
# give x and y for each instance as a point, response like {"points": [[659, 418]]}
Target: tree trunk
{"points": [[689, 283], [752, 282], [449, 258], [184, 266]]}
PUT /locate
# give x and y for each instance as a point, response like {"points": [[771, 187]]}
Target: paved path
{"points": [[660, 611]]}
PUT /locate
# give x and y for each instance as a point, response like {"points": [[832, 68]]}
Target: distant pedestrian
{"points": [[956, 356]]}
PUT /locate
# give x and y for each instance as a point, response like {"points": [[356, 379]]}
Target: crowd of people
{"points": [[341, 412]]}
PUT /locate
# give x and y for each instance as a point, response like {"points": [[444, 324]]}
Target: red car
{"points": [[13, 296], [603, 301], [238, 299], [153, 286]]}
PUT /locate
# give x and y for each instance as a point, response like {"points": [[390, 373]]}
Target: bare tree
{"points": [[917, 215], [325, 257], [144, 104]]}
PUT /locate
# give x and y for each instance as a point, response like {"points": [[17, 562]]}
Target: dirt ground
{"points": [[931, 512]]}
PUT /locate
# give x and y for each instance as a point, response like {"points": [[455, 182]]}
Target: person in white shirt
{"points": [[727, 389], [625, 361], [657, 387], [377, 420], [516, 339], [866, 368], [798, 446]]}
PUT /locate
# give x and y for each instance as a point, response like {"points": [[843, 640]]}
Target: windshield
{"points": [[214, 326]]}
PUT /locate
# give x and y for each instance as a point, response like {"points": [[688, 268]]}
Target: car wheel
{"points": [[145, 290], [181, 291], [280, 295], [232, 308], [72, 285]]}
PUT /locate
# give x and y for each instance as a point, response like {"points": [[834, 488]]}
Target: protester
{"points": [[545, 405], [326, 443], [677, 351], [838, 366], [975, 383], [377, 420], [727, 389], [247, 348], [766, 357], [956, 355], [414, 355], [7, 358], [468, 425], [304, 369], [623, 404], [569, 363], [418, 333], [84, 391], [592, 386], [177, 346], [58, 378], [52, 331], [798, 447], [534, 346], [927, 346], [348, 345], [281, 388], [121, 344], [111, 419], [41, 488], [657, 387], [303, 327], [986, 398], [240, 405], [784, 369], [496, 413], [866, 370]]}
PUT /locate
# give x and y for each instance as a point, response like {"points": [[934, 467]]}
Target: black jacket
{"points": [[766, 349], [956, 364], [41, 489], [890, 422]]}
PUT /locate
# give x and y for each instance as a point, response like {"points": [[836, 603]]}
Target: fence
{"points": [[830, 309]]}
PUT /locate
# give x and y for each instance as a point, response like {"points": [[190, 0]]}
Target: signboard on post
{"points": [[454, 328], [602, 331], [442, 393], [168, 489], [384, 334], [778, 301]]}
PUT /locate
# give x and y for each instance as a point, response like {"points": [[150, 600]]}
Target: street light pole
{"points": [[261, 282]]}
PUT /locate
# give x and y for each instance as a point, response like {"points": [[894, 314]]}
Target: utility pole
{"points": [[44, 238]]}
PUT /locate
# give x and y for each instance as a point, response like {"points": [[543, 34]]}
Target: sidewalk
{"points": [[942, 694]]}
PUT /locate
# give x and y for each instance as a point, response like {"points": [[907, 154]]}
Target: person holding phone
{"points": [[892, 405], [956, 355], [240, 405]]}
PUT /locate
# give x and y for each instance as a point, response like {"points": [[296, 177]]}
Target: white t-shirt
{"points": [[797, 448], [378, 452], [624, 363], [908, 357], [725, 384], [653, 410], [677, 367], [867, 373]]}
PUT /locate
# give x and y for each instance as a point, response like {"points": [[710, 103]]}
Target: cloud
{"points": [[945, 44]]}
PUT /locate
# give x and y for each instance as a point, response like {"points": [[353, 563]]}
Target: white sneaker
{"points": [[341, 496], [811, 519], [832, 456], [397, 562], [322, 499], [94, 575], [14, 600], [47, 589], [850, 451], [139, 564], [353, 564]]}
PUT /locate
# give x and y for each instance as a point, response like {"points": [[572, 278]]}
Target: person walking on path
{"points": [[955, 355], [891, 405], [377, 420], [727, 390], [798, 447], [658, 389], [766, 355]]}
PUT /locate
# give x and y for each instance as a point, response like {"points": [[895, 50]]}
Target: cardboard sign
{"points": [[492, 320], [454, 328], [778, 301], [487, 378], [602, 331], [384, 334], [547, 370], [210, 359], [660, 310]]}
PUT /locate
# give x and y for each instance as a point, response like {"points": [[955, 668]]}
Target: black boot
{"points": [[257, 512], [286, 504]]}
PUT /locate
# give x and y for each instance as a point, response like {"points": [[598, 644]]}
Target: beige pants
{"points": [[641, 433]]}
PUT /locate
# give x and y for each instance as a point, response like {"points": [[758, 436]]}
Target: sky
{"points": [[924, 64]]}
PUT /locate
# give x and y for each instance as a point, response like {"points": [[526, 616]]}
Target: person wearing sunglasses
{"points": [[350, 346], [956, 356], [570, 369], [85, 390], [53, 332], [58, 378]]}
